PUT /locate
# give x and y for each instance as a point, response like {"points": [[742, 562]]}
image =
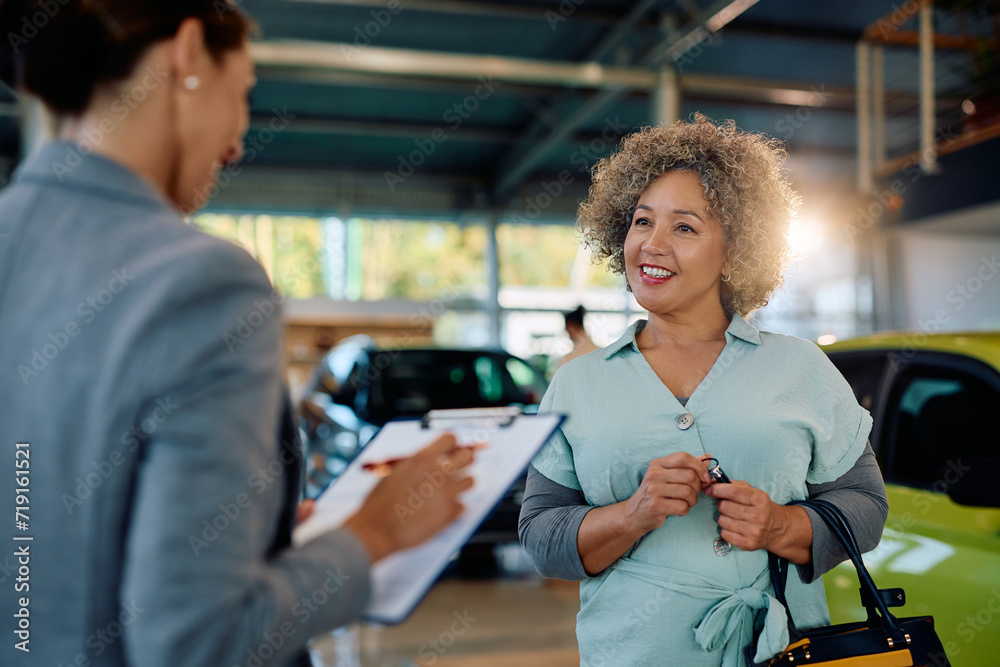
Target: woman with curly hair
{"points": [[674, 566]]}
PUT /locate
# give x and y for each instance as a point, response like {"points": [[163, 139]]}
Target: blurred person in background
{"points": [[582, 344], [164, 468]]}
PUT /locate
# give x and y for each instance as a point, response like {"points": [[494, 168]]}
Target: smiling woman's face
{"points": [[675, 250]]}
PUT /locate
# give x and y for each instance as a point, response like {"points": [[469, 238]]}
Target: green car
{"points": [[935, 399]]}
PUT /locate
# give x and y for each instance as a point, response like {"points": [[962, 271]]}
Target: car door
{"points": [[937, 431]]}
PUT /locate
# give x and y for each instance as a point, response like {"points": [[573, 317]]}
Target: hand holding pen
{"points": [[384, 467], [388, 521]]}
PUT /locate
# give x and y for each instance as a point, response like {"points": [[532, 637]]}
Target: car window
{"points": [[528, 383], [410, 383], [942, 423], [490, 377], [864, 373]]}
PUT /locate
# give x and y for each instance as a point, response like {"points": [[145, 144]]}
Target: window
{"points": [[942, 426], [290, 248], [548, 256], [360, 259], [490, 379], [530, 387], [863, 371], [420, 260]]}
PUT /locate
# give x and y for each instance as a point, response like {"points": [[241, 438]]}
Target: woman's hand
{"points": [[417, 500], [670, 487], [750, 520], [304, 511]]}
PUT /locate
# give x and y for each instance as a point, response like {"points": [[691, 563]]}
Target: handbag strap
{"points": [[843, 531], [838, 525]]}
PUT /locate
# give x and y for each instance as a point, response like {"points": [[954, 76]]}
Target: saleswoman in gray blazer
{"points": [[140, 373]]}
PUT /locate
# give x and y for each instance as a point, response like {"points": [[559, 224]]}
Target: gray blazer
{"points": [[139, 359]]}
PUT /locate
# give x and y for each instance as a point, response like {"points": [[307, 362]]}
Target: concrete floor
{"points": [[516, 619]]}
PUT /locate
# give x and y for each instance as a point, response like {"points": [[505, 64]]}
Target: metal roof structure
{"points": [[442, 107]]}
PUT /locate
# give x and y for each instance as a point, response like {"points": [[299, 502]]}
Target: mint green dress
{"points": [[776, 413]]}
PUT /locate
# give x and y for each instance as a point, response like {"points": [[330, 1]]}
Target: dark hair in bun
{"points": [[61, 50]]}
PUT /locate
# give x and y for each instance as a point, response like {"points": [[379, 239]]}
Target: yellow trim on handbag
{"points": [[900, 658]]}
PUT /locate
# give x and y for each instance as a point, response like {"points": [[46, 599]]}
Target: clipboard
{"points": [[400, 581]]}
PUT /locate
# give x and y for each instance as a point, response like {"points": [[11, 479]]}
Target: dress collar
{"points": [[68, 164], [738, 328]]}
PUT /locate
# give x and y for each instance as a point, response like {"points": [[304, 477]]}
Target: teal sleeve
{"points": [[840, 427], [555, 459]]}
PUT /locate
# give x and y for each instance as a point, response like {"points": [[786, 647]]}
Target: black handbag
{"points": [[881, 641]]}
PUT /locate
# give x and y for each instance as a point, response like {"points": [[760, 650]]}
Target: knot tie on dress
{"points": [[729, 623]]}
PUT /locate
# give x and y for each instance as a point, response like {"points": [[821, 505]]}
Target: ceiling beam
{"points": [[478, 9], [324, 63], [388, 81], [673, 47], [767, 91], [393, 130], [743, 26], [941, 40], [543, 120], [694, 86], [388, 61]]}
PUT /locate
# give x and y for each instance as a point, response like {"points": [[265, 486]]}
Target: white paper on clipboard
{"points": [[401, 580]]}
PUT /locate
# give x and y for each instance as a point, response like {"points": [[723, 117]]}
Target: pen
{"points": [[384, 467]]}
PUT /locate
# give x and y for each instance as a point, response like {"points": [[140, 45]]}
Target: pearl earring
{"points": [[192, 82]]}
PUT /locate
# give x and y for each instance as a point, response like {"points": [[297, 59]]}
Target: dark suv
{"points": [[358, 387]]}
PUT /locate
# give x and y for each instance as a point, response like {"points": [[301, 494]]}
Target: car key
{"points": [[722, 547], [715, 472]]}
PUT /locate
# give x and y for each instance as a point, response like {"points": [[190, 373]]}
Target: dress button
{"points": [[684, 421], [722, 548]]}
